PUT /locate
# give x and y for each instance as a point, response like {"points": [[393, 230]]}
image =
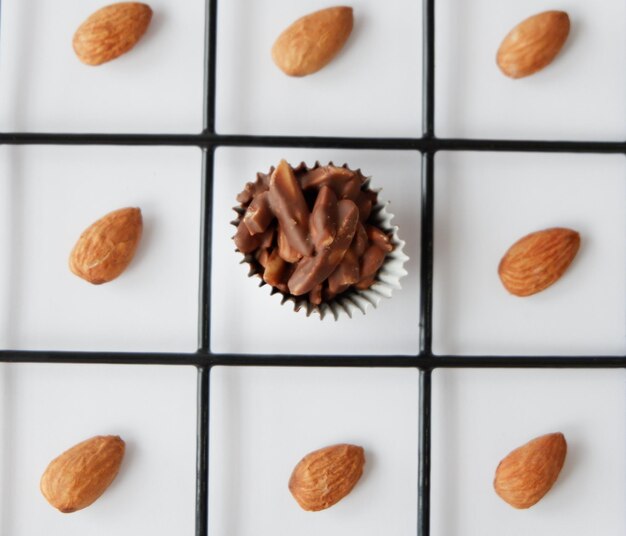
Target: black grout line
{"points": [[428, 69], [203, 359], [426, 322], [208, 167], [423, 144], [542, 146], [206, 239], [423, 499], [426, 265], [426, 249], [202, 452], [112, 358], [210, 71]]}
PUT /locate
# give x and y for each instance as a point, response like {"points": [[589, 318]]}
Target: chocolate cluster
{"points": [[311, 231]]}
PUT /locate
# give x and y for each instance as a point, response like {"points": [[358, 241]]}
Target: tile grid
{"points": [[428, 145]]}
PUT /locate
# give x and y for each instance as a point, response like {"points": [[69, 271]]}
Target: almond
{"points": [[528, 473], [111, 32], [324, 477], [533, 43], [81, 474], [538, 260], [312, 41], [105, 249]]}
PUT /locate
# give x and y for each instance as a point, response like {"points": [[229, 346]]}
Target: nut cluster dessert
{"points": [[311, 232]]}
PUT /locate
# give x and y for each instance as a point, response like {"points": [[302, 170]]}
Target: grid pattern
{"points": [[425, 361]]}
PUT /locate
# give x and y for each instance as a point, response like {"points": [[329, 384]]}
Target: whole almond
{"points": [[528, 473], [105, 249], [538, 260], [324, 477], [81, 474], [533, 43], [312, 41], [111, 32]]}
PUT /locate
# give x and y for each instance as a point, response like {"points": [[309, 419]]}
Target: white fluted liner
{"points": [[352, 301]]}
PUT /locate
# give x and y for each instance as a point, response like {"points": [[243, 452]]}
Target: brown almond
{"points": [[538, 260], [312, 41], [111, 32], [80, 475], [533, 43], [528, 473], [105, 249], [324, 477]]}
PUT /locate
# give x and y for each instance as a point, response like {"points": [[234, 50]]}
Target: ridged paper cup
{"points": [[353, 300]]}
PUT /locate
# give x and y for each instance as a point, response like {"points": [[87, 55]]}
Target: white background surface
{"points": [[246, 319], [264, 420], [480, 416], [484, 202], [52, 195], [371, 88], [46, 409], [156, 87], [579, 96]]}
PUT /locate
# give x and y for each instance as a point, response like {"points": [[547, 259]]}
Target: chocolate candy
{"points": [[252, 189], [323, 221], [259, 215], [276, 269], [289, 206], [285, 250], [309, 232], [334, 177], [311, 271], [359, 244], [380, 239], [371, 261], [244, 241], [315, 296], [347, 273]]}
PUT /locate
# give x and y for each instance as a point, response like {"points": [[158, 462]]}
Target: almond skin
{"points": [[105, 249], [533, 43], [111, 31], [81, 474], [538, 260], [528, 473], [324, 477], [312, 41]]}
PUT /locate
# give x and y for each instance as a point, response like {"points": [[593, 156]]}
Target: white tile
{"points": [[484, 202], [53, 195], [156, 87], [479, 416], [371, 88], [46, 409], [264, 420], [579, 96], [246, 319]]}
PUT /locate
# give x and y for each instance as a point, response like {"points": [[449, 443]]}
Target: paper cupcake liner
{"points": [[353, 300]]}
